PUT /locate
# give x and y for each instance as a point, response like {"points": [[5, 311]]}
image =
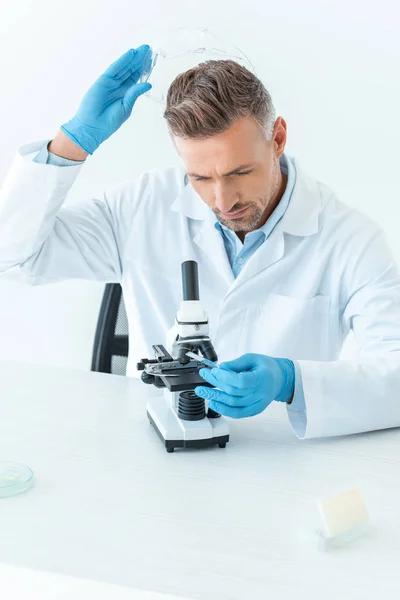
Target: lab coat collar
{"points": [[301, 217]]}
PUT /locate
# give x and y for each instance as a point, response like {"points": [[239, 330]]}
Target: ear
{"points": [[280, 136]]}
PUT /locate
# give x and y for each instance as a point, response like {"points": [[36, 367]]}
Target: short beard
{"points": [[251, 222], [246, 223]]}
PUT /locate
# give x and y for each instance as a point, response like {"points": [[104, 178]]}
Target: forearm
{"points": [[349, 396], [64, 147], [30, 197]]}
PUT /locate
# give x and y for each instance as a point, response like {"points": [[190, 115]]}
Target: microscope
{"points": [[179, 416]]}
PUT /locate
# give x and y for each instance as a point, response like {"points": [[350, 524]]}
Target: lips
{"points": [[235, 215]]}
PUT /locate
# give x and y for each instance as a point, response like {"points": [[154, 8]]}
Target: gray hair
{"points": [[209, 98]]}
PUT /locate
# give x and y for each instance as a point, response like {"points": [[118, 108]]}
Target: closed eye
{"points": [[240, 174]]}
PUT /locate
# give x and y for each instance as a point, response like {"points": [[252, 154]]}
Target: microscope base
{"points": [[176, 433]]}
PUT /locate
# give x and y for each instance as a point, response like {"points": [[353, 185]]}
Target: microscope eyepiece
{"points": [[190, 280]]}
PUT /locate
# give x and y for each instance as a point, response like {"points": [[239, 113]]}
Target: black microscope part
{"points": [[190, 280]]}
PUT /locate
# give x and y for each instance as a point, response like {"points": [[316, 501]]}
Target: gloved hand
{"points": [[109, 102], [248, 384]]}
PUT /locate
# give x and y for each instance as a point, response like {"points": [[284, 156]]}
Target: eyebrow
{"points": [[225, 174]]}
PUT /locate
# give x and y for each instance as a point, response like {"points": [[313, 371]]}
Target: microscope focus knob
{"points": [[147, 378], [212, 414]]}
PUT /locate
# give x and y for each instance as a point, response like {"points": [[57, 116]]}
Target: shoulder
{"points": [[352, 226], [156, 185], [358, 242], [316, 209]]}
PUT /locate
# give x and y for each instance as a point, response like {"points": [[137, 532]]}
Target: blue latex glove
{"points": [[109, 102], [248, 384]]}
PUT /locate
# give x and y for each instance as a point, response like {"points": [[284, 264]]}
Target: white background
{"points": [[332, 69]]}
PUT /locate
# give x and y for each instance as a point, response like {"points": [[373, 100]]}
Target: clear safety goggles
{"points": [[181, 50]]}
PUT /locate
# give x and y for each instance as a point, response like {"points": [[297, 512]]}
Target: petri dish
{"points": [[14, 479], [181, 50]]}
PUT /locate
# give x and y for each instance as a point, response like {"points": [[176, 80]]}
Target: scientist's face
{"points": [[237, 172]]}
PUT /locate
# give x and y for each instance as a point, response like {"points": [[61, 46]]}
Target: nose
{"points": [[224, 198]]}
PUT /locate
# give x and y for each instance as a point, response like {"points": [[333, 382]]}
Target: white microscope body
{"points": [[180, 417]]}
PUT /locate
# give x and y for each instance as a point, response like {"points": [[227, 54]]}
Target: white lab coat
{"points": [[325, 269]]}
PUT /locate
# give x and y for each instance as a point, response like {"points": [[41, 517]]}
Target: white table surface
{"points": [[111, 505], [20, 583]]}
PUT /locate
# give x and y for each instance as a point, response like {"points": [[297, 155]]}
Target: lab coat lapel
{"points": [[266, 255], [211, 243], [300, 219], [207, 238]]}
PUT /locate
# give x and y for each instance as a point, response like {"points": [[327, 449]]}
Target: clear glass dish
{"points": [[14, 479]]}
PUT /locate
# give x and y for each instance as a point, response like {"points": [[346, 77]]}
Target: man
{"points": [[286, 270]]}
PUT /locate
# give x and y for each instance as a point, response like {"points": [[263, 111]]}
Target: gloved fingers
{"points": [[128, 63], [226, 398], [133, 77], [133, 94], [240, 381], [212, 376], [238, 412], [243, 363], [213, 394]]}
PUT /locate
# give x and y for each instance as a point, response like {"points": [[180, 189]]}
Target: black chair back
{"points": [[111, 343]]}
